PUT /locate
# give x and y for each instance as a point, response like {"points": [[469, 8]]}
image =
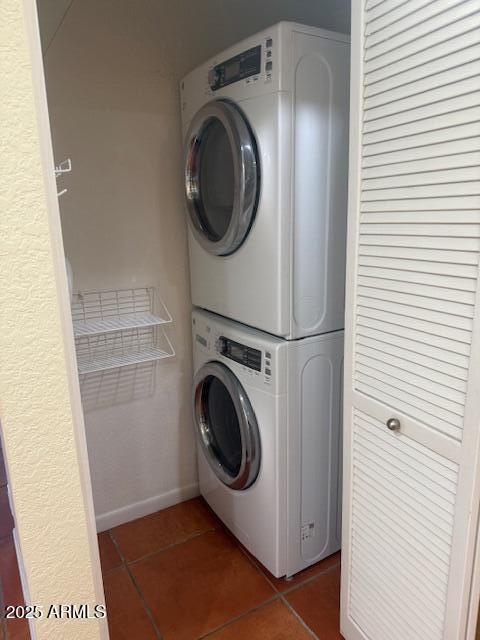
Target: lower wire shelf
{"points": [[122, 359]]}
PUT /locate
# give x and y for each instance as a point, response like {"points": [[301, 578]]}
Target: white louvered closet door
{"points": [[412, 353]]}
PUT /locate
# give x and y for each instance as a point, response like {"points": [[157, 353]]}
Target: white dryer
{"points": [[265, 128], [268, 422]]}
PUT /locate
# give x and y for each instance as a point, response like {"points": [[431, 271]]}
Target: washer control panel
{"points": [[255, 362], [249, 357]]}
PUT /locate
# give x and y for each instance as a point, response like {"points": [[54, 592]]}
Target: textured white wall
{"points": [[113, 69], [42, 427]]}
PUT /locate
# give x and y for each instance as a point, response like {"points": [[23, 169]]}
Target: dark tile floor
{"points": [[10, 585], [179, 575]]}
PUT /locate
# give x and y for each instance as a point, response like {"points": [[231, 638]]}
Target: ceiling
{"points": [[50, 17], [236, 18]]}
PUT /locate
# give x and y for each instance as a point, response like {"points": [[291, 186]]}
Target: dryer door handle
{"points": [[219, 127]]}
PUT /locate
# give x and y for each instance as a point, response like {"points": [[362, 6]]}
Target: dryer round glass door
{"points": [[222, 178], [226, 426]]}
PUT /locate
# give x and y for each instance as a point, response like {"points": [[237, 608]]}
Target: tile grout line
{"points": [[278, 597], [281, 594], [274, 598], [309, 580], [255, 564], [298, 616], [289, 590], [146, 607], [167, 548]]}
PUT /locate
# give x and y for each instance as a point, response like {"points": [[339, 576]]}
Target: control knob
{"points": [[222, 346], [213, 77]]}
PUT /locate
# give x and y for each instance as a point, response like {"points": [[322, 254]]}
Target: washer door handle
{"points": [[247, 424]]}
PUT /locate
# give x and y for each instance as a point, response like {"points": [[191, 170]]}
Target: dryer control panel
{"points": [[241, 66], [249, 357]]}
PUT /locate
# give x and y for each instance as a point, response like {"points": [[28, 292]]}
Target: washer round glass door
{"points": [[222, 177], [226, 426]]}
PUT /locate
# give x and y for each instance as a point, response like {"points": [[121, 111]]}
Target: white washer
{"points": [[266, 165], [268, 422]]}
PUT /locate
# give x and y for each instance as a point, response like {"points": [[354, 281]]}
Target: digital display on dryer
{"points": [[236, 351], [232, 70]]}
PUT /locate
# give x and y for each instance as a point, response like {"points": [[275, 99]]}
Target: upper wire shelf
{"points": [[98, 312]]}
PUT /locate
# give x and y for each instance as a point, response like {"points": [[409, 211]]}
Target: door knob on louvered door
{"points": [[393, 424]]}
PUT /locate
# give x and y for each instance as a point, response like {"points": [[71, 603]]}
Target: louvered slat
{"points": [[373, 570], [433, 517], [446, 203], [463, 311], [390, 283], [411, 14], [459, 111], [373, 12], [463, 248], [433, 155], [419, 234], [412, 217], [429, 347], [425, 141], [393, 12], [413, 164], [380, 561], [386, 356], [424, 26], [414, 572], [416, 54], [430, 73], [435, 572], [405, 115]]}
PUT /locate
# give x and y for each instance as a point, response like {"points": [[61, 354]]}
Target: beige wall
{"points": [[112, 70], [42, 426]]}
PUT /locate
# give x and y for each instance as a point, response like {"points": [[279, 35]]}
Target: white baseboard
{"points": [[145, 507]]}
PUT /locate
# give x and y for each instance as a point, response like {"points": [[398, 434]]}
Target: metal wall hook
{"points": [[64, 167]]}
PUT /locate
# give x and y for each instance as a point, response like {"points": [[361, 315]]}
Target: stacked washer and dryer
{"points": [[265, 128]]}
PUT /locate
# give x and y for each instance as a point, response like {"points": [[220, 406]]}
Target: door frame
{"points": [[472, 611], [42, 428]]}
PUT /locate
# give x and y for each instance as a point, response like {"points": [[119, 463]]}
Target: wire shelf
{"points": [[121, 359], [118, 328], [98, 312], [116, 323]]}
